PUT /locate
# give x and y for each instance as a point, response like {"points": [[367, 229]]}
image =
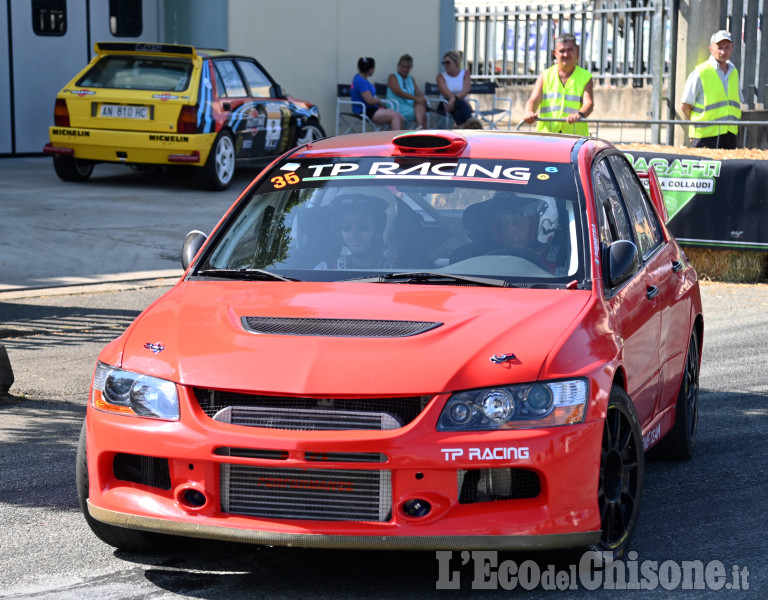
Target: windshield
{"points": [[347, 218]]}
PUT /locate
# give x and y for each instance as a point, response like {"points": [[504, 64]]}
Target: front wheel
{"points": [[309, 132], [68, 168], [219, 169], [131, 540], [622, 469]]}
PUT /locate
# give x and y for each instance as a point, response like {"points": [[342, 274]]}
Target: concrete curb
{"points": [[113, 283]]}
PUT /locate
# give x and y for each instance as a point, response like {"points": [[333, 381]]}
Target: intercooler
{"points": [[313, 494]]}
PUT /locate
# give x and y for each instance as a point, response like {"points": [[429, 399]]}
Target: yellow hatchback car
{"points": [[165, 104]]}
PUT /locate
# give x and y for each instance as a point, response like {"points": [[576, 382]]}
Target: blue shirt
{"points": [[359, 85]]}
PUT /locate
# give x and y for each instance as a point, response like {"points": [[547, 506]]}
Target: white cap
{"points": [[719, 36]]}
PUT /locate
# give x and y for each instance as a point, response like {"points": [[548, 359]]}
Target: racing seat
{"points": [[348, 121]]}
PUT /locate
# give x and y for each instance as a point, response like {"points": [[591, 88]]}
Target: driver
{"points": [[514, 224]]}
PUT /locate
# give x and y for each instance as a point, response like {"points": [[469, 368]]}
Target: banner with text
{"points": [[712, 203]]}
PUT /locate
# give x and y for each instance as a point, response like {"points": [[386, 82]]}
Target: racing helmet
{"points": [[527, 205]]}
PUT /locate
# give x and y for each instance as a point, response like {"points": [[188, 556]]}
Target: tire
{"points": [[68, 168], [131, 540], [219, 168], [622, 469], [309, 132], [680, 442]]}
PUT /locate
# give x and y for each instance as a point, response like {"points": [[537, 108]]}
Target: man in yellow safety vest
{"points": [[563, 91], [712, 97]]}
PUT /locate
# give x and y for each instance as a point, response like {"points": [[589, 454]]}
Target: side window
{"points": [[644, 221], [614, 224], [229, 76], [258, 82], [49, 17]]}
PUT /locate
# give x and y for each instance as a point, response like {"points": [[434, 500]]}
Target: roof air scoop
{"points": [[422, 142]]}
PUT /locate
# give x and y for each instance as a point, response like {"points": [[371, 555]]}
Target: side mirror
{"points": [[193, 241], [622, 260]]}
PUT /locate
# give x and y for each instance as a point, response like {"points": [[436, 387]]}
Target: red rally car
{"points": [[419, 340]]}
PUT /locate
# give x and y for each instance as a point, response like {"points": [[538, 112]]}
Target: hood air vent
{"points": [[361, 328]]}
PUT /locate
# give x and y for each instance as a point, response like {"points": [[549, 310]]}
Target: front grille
{"points": [[305, 419], [145, 470], [251, 453], [313, 413], [487, 485], [314, 494], [365, 328]]}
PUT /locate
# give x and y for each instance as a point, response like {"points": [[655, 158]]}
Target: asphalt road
{"points": [[119, 225], [116, 229]]}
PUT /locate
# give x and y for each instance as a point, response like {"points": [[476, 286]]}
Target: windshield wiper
{"points": [[256, 274], [432, 277]]}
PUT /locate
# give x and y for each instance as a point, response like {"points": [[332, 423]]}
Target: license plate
{"points": [[124, 112]]}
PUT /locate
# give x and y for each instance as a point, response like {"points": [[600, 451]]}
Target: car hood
{"points": [[199, 325]]}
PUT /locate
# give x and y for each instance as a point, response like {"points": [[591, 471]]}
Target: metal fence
{"points": [[619, 40], [744, 19], [623, 42]]}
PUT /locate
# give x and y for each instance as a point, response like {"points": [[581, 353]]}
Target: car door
{"points": [[662, 260], [273, 134], [633, 305], [233, 101]]}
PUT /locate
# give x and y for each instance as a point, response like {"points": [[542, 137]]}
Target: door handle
{"points": [[676, 266], [226, 106], [651, 292]]}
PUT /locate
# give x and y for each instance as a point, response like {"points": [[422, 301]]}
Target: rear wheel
{"points": [[68, 168], [219, 169], [131, 540], [310, 132], [621, 474], [680, 442]]}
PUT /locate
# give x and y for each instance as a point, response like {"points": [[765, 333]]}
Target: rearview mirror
{"points": [[193, 241]]}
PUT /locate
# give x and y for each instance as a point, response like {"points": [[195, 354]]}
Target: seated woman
{"points": [[454, 86], [364, 91], [402, 88]]}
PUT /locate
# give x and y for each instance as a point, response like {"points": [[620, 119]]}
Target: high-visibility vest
{"points": [[717, 105], [558, 101]]}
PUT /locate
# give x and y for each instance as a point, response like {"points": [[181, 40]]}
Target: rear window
{"points": [[138, 73]]}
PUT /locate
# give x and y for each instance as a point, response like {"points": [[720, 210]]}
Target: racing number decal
{"points": [[282, 180]]}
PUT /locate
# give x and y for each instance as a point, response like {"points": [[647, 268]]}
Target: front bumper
{"points": [[131, 147], [417, 462]]}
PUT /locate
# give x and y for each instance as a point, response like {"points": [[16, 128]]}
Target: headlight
{"points": [[124, 392], [524, 406]]}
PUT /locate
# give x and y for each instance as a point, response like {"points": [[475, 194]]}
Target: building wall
{"points": [[311, 45]]}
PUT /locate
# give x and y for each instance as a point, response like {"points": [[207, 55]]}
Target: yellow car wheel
{"points": [[69, 168], [219, 169]]}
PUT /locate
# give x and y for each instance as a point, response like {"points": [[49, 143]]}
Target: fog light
{"points": [[416, 507]]}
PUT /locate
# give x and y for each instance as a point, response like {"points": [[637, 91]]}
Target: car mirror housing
{"points": [[622, 259], [193, 241]]}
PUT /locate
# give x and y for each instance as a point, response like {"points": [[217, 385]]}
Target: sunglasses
{"points": [[447, 62], [362, 225]]}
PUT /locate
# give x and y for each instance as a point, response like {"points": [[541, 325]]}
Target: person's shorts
{"points": [[371, 110]]}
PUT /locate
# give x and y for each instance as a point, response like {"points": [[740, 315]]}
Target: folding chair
{"points": [[441, 121], [347, 121], [497, 113]]}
